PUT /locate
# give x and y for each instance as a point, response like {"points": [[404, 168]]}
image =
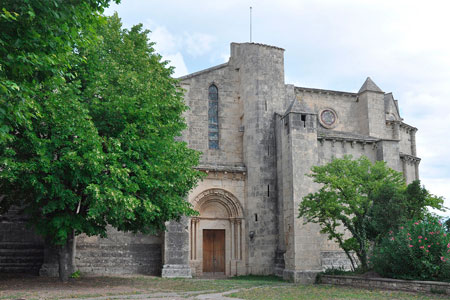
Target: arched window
{"points": [[213, 117]]}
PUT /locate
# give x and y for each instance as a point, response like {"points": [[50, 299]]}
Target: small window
{"points": [[213, 117]]}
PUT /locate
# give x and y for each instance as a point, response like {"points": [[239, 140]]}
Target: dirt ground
{"points": [[25, 287], [130, 287]]}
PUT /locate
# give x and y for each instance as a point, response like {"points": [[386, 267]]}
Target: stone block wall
{"points": [[329, 149], [335, 260], [388, 284], [21, 249], [230, 115], [345, 105], [119, 253]]}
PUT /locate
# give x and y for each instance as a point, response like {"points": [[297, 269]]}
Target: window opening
{"points": [[213, 117], [303, 118]]}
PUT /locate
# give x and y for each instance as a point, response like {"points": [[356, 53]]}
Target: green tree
{"points": [[363, 198], [393, 206], [137, 109], [44, 131], [37, 43], [95, 143]]}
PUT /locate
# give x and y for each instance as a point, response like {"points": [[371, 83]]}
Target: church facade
{"points": [[259, 137]]}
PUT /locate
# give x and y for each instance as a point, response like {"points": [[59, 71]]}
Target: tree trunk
{"points": [[349, 256], [74, 251], [66, 258]]}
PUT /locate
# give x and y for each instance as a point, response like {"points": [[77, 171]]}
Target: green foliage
{"points": [[345, 199], [137, 110], [393, 205], [417, 250], [76, 274], [90, 131], [49, 147], [365, 199], [447, 225], [38, 41]]}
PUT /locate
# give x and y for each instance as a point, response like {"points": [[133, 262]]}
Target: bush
{"points": [[418, 250]]}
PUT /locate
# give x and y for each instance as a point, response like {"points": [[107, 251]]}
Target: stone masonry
{"points": [[259, 137], [270, 135]]}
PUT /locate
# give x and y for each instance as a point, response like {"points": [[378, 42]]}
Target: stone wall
{"points": [[388, 284], [329, 149], [230, 115], [335, 260], [21, 249], [119, 253], [344, 104]]}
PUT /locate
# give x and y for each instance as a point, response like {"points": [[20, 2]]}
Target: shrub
{"points": [[418, 250]]}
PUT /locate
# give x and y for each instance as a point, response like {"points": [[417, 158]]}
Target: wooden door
{"points": [[214, 250]]}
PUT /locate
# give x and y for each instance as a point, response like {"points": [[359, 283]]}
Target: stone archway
{"points": [[219, 211]]}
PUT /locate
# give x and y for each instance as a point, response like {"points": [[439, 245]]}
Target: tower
{"points": [[261, 88]]}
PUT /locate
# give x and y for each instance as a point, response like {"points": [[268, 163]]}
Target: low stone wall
{"points": [[335, 260], [389, 284]]}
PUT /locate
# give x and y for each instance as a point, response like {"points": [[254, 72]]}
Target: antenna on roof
{"points": [[250, 24]]}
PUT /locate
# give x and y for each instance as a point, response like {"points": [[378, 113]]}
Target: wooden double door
{"points": [[214, 250]]}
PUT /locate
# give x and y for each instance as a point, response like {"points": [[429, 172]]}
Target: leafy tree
{"points": [[365, 199], [90, 137], [393, 205], [137, 109], [40, 116], [37, 43]]}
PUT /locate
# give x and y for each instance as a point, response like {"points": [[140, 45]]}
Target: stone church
{"points": [[259, 137]]}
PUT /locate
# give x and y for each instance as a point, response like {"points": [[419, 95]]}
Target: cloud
{"points": [[329, 44], [174, 47], [198, 43], [165, 41], [177, 61]]}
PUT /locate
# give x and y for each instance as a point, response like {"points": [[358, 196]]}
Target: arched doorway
{"points": [[216, 235]]}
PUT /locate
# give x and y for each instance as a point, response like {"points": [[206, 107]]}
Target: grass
{"points": [[251, 287], [315, 292], [29, 287]]}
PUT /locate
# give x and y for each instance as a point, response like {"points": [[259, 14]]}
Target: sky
{"points": [[404, 46]]}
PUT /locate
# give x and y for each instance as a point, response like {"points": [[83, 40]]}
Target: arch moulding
{"points": [[227, 199]]}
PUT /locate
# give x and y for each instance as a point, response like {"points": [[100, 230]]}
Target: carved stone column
{"points": [[233, 239], [176, 250], [239, 240]]}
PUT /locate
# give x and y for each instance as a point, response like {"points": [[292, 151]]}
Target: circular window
{"points": [[328, 118]]}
